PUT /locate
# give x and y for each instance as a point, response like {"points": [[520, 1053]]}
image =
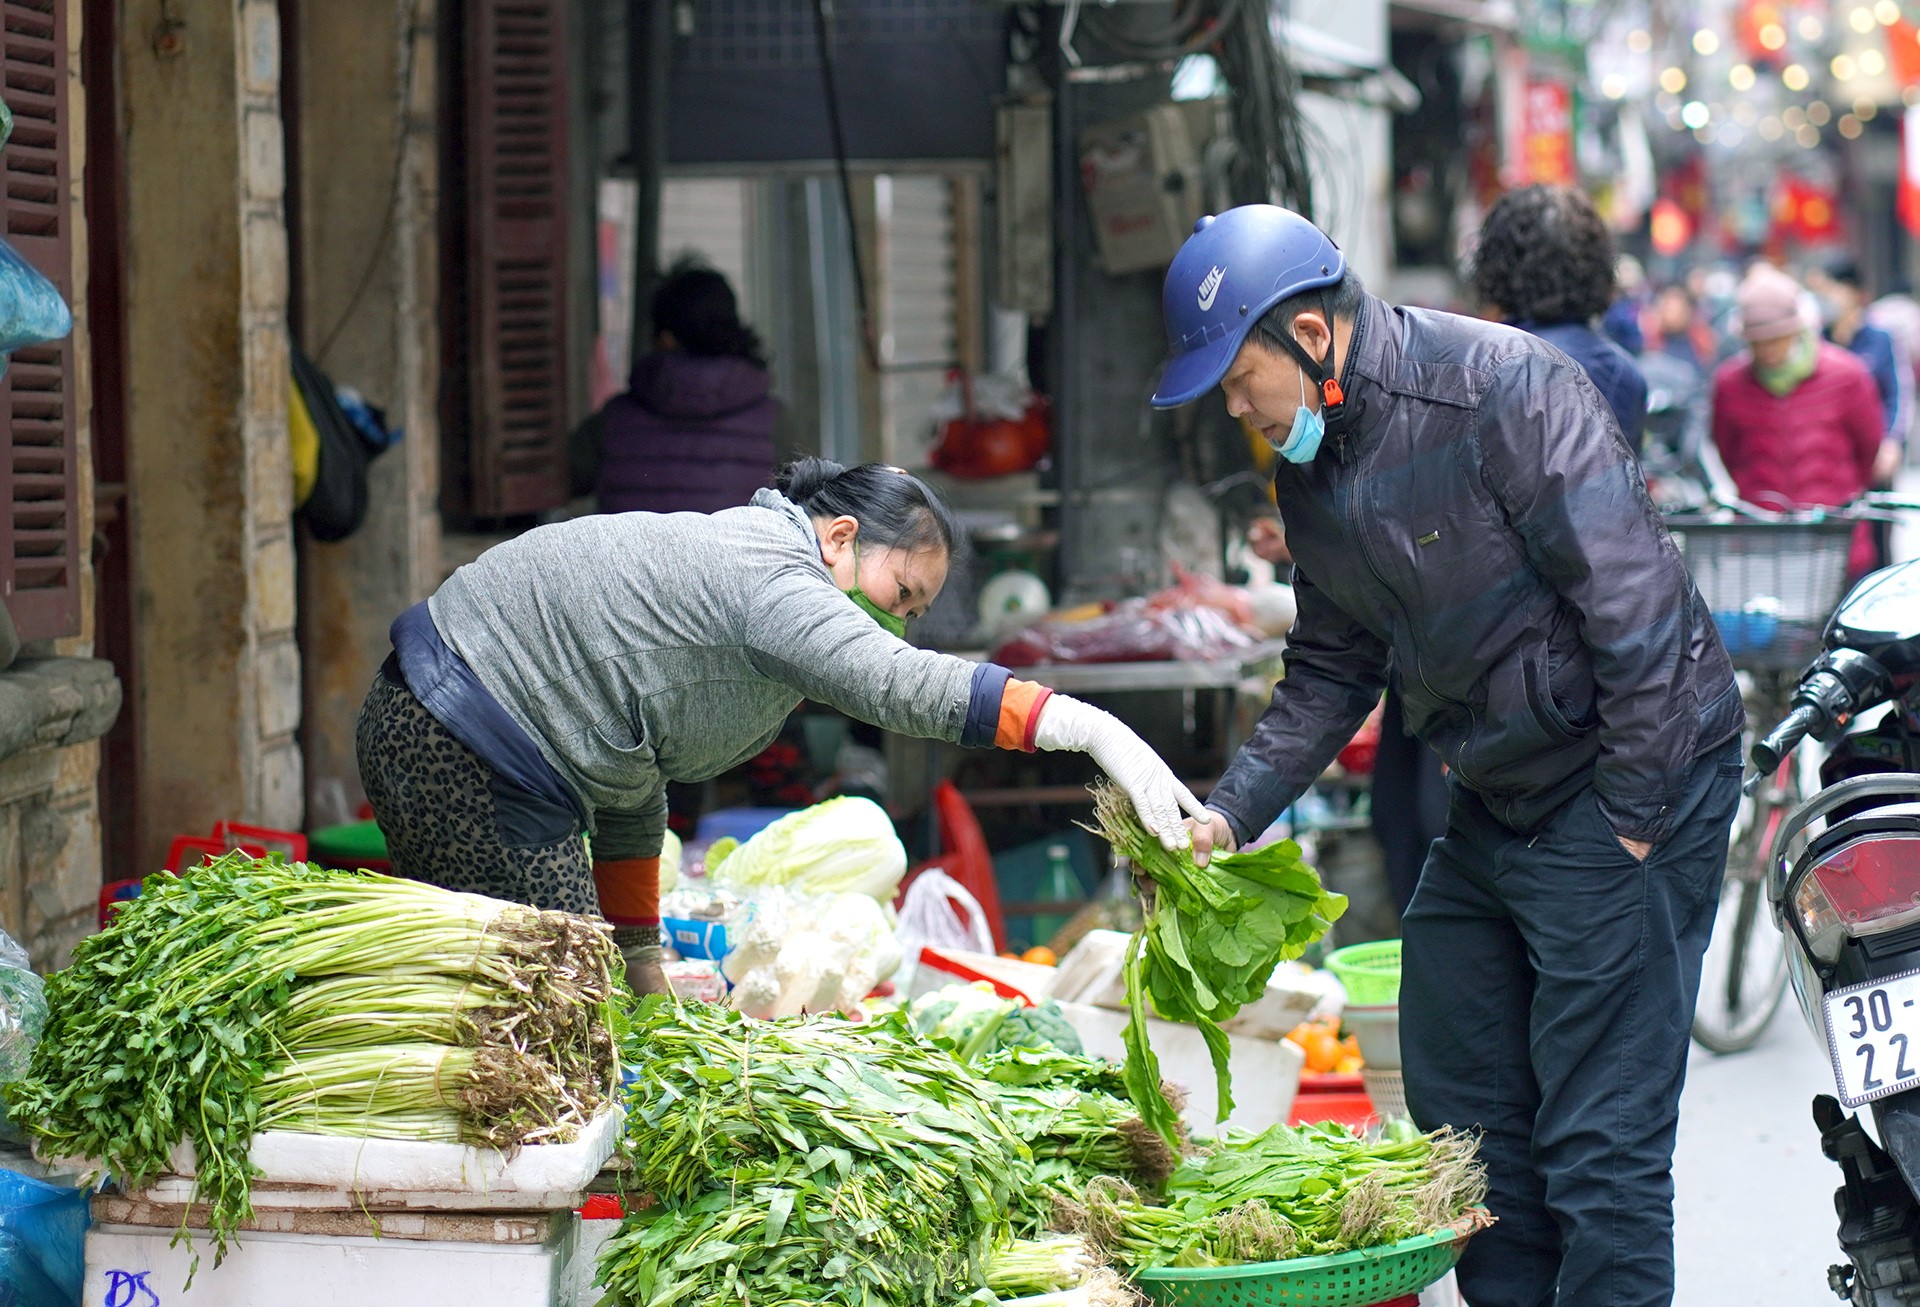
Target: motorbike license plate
{"points": [[1873, 1034]]}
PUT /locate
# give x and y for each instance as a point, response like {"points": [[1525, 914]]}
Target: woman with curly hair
{"points": [[1544, 263]]}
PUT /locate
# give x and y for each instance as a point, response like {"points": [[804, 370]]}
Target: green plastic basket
{"points": [[1369, 972], [1355, 1279]]}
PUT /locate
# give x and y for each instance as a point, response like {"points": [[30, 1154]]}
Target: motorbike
{"points": [[1843, 883]]}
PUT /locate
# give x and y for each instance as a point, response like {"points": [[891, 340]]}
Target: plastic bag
{"points": [[938, 912], [43, 1229], [23, 1015], [31, 309]]}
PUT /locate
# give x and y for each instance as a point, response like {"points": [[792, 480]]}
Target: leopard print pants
{"points": [[441, 809]]}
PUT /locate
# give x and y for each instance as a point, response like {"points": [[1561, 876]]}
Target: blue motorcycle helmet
{"points": [[1234, 268]]}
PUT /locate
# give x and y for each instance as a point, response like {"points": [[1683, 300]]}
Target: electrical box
{"points": [[1143, 182], [1025, 208]]}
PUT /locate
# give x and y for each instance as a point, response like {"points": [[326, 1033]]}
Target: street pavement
{"points": [[1754, 1222]]}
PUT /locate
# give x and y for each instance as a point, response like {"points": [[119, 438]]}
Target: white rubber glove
{"points": [[1157, 794]]}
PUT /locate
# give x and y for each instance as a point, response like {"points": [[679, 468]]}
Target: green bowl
{"points": [[1370, 973], [1356, 1279]]}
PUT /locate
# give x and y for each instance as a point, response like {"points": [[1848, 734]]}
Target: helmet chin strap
{"points": [[1333, 396]]}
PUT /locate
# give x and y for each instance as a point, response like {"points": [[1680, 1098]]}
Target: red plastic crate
{"points": [[1355, 1110], [289, 844]]}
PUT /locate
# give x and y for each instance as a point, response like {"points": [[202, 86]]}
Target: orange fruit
{"points": [[1010, 955], [1041, 956], [1323, 1051]]}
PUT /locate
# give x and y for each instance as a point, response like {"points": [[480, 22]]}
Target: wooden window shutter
{"points": [[40, 561], [517, 254]]}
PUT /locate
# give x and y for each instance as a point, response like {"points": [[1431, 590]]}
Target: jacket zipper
{"points": [[1366, 553]]}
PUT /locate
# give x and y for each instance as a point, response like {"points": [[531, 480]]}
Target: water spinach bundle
{"points": [[1070, 1112], [251, 995], [806, 1160], [1212, 938], [1286, 1192]]}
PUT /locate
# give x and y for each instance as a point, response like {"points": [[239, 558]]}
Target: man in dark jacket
{"points": [[1468, 520]]}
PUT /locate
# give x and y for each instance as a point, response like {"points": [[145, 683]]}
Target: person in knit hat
{"points": [[1796, 419]]}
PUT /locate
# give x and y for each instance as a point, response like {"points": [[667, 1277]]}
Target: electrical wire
{"points": [[410, 31], [1269, 162], [1264, 97], [823, 17]]}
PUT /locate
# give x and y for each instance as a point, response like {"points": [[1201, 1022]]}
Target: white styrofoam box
{"points": [[951, 966], [1091, 969], [1090, 973], [135, 1266], [576, 1281], [1266, 1073], [1291, 996], [302, 1170]]}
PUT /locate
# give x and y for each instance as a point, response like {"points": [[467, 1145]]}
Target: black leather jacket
{"points": [[1482, 533]]}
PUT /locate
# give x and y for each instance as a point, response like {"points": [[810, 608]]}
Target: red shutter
{"points": [[40, 559], [517, 254]]}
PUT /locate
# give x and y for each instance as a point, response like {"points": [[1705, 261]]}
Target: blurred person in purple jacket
{"points": [[694, 430]]}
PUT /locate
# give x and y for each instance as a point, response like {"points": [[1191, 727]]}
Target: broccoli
{"points": [[1044, 1026]]}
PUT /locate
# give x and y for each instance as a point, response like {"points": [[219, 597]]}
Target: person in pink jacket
{"points": [[1797, 420]]}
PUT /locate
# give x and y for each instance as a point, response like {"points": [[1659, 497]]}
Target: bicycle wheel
{"points": [[1744, 974]]}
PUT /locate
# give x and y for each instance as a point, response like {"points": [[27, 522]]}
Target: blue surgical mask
{"points": [[1303, 441]]}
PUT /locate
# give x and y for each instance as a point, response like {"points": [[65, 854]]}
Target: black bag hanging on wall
{"points": [[338, 504]]}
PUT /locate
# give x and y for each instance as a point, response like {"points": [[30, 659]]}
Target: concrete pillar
{"points": [[209, 473], [369, 275]]}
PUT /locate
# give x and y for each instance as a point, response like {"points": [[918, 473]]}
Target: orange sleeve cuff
{"points": [[1020, 704], [629, 890]]}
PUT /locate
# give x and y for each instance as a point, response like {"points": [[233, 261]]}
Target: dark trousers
{"points": [[1546, 996], [1409, 802]]}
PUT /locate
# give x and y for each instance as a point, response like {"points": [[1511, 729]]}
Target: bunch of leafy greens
{"points": [[1286, 1192], [806, 1160], [1069, 1112], [249, 995], [1213, 937]]}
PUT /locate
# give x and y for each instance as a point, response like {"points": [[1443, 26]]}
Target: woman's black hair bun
{"points": [[804, 478]]}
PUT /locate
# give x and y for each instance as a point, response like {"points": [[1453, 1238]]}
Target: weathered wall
{"points": [[369, 286], [209, 477], [55, 704]]}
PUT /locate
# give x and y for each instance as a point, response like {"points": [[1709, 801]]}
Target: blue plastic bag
{"points": [[31, 309], [43, 1242]]}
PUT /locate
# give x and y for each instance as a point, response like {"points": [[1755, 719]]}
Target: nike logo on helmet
{"points": [[1211, 288]]}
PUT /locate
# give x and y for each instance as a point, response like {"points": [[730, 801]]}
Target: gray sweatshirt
{"points": [[642, 648]]}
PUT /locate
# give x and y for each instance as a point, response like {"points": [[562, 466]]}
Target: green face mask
{"points": [[893, 624], [1785, 379]]}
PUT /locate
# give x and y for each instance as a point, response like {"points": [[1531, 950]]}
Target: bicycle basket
{"points": [[1769, 585]]}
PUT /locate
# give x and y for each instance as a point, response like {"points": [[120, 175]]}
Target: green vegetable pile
{"points": [[1286, 1192], [973, 1021], [806, 1160], [252, 995], [1062, 1270], [1069, 1112], [1213, 936]]}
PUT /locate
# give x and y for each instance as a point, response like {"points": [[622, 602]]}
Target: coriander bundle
{"points": [[248, 995]]}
